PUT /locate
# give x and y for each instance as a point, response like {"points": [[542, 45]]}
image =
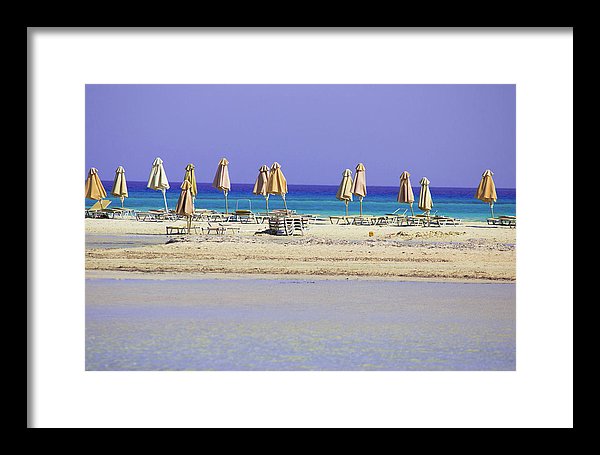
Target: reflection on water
{"points": [[251, 324]]}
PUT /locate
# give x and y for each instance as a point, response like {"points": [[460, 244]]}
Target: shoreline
{"points": [[117, 275]]}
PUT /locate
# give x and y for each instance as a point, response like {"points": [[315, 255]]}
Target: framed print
{"points": [[274, 220]]}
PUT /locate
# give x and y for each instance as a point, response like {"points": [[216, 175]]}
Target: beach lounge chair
{"points": [[244, 216], [282, 212], [199, 217], [181, 229], [278, 226], [100, 205], [438, 220], [371, 220], [147, 216], [220, 229], [161, 214], [509, 221], [398, 219], [98, 210], [447, 220], [203, 214], [380, 220], [298, 224], [288, 225], [411, 220], [261, 217], [312, 218], [218, 217], [334, 219], [423, 219], [364, 220], [317, 219], [120, 212], [213, 229]]}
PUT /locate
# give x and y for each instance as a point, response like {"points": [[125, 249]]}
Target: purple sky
{"points": [[448, 133]]}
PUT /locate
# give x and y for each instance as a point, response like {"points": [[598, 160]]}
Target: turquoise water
{"points": [[266, 325], [320, 199]]}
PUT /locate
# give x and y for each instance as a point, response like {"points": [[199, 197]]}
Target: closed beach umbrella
{"points": [[185, 203], [190, 175], [119, 188], [486, 191], [260, 186], [344, 192], [221, 180], [425, 201], [158, 179], [94, 188], [406, 195], [359, 187], [277, 183]]}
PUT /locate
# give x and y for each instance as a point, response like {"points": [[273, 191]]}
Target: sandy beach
{"points": [[472, 252], [406, 298]]}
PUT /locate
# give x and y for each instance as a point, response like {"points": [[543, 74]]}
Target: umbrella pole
{"points": [[189, 225], [492, 208], [411, 209], [346, 207], [361, 205], [226, 207], [122, 201], [267, 202], [284, 203], [164, 192]]}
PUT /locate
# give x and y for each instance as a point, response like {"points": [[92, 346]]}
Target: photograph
{"points": [[300, 227]]}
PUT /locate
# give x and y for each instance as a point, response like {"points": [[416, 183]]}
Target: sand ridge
{"points": [[469, 252]]}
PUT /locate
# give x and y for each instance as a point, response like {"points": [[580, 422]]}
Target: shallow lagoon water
{"points": [[260, 324]]}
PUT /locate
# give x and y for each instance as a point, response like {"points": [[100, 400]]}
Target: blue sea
{"points": [[320, 199]]}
